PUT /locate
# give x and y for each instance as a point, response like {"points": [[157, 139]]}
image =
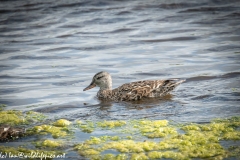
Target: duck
{"points": [[131, 91]]}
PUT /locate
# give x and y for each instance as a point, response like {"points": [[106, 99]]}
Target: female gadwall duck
{"points": [[131, 91]]}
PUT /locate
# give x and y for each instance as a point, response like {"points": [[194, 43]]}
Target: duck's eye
{"points": [[100, 77]]}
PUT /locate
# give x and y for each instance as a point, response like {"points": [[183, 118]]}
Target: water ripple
{"points": [[51, 49]]}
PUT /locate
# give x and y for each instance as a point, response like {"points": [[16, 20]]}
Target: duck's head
{"points": [[102, 80]]}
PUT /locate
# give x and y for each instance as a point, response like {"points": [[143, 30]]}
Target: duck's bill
{"points": [[92, 85]]}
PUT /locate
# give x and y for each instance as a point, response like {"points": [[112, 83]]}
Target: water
{"points": [[49, 51]]}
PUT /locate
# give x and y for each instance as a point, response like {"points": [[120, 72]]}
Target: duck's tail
{"points": [[168, 86], [175, 82]]}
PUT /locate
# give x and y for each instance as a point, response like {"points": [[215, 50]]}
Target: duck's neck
{"points": [[104, 93], [102, 88], [106, 86]]}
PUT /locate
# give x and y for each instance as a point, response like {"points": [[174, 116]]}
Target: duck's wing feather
{"points": [[148, 88], [166, 87]]}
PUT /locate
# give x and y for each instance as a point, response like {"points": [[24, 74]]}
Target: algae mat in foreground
{"points": [[120, 140]]}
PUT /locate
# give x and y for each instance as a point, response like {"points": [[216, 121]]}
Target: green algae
{"points": [[233, 121], [2, 106], [95, 140], [32, 116], [57, 129], [156, 123], [135, 139], [56, 132], [167, 154], [111, 124], [126, 146], [109, 157], [51, 143], [139, 156], [193, 141], [62, 123], [234, 135], [87, 127], [161, 132], [12, 117], [154, 129]]}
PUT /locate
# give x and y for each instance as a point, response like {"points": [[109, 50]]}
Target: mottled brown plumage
{"points": [[131, 91]]}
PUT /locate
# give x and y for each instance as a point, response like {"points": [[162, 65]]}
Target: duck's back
{"points": [[148, 88]]}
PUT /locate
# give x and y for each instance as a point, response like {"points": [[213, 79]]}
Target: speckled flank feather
{"points": [[131, 91]]}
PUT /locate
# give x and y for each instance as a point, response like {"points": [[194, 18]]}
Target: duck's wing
{"points": [[148, 88], [136, 90], [166, 87]]}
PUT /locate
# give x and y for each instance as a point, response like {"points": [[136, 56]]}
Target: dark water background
{"points": [[49, 51]]}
